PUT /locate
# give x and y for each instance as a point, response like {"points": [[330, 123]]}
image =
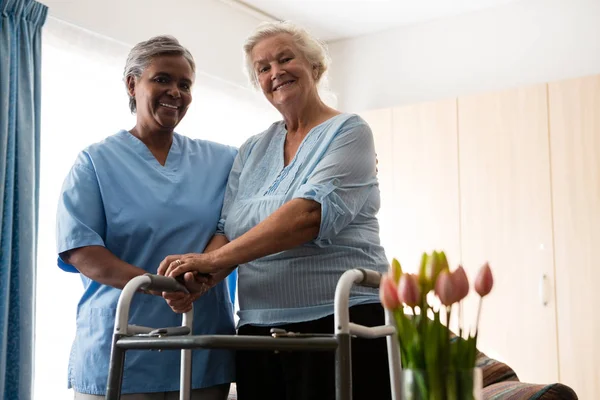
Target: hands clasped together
{"points": [[195, 271]]}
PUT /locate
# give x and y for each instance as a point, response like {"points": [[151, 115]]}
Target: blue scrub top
{"points": [[118, 196]]}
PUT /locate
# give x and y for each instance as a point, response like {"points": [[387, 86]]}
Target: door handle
{"points": [[543, 290]]}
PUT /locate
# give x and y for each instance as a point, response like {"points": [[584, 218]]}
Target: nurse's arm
{"points": [[102, 266]]}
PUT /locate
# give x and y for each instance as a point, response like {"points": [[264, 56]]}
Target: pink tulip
{"points": [[388, 293], [484, 281], [445, 288], [408, 290], [461, 283]]}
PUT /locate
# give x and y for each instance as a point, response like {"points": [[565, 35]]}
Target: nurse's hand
{"points": [[197, 283], [181, 302], [176, 265]]}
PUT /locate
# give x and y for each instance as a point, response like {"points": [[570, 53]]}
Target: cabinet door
{"points": [[575, 154], [506, 219], [380, 122], [426, 209]]}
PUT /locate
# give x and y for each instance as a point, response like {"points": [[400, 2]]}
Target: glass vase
{"points": [[454, 385]]}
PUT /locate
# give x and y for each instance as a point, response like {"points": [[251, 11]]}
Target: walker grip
{"points": [[370, 278], [161, 283]]}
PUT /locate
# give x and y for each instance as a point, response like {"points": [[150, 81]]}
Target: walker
{"points": [[129, 337]]}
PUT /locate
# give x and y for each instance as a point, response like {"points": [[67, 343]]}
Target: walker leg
{"points": [[185, 386], [115, 371], [394, 362], [343, 368]]}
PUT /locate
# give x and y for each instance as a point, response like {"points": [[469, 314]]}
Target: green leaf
{"points": [[423, 277], [442, 262], [396, 270]]}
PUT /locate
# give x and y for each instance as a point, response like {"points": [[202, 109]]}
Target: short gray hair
{"points": [[313, 49], [142, 54]]}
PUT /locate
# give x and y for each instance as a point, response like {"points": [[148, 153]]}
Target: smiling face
{"points": [[284, 74], [163, 92]]}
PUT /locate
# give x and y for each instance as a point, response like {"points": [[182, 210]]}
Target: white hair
{"points": [[142, 54], [314, 50]]}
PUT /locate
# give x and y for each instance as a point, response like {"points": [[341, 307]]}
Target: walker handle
{"points": [[370, 278], [161, 283]]}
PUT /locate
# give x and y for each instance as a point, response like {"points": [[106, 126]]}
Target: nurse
{"points": [[128, 202]]}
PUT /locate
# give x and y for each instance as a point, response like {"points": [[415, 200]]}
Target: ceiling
{"points": [[339, 19]]}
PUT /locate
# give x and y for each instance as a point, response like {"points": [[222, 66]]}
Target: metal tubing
{"points": [[342, 300], [185, 380], [232, 342], [394, 362], [122, 317], [371, 332], [343, 368], [115, 370]]}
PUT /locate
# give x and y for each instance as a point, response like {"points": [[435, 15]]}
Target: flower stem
{"points": [[460, 318], [478, 316]]}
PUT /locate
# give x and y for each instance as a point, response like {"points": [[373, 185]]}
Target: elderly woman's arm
{"points": [[295, 223]]}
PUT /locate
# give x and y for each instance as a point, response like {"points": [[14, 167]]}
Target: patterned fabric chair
{"points": [[500, 382]]}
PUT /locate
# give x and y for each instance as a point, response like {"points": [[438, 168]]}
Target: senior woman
{"points": [[300, 209], [129, 201]]}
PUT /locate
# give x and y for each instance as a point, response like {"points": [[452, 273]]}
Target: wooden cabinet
{"points": [[506, 219], [425, 182], [418, 174], [512, 178], [380, 122], [575, 154]]}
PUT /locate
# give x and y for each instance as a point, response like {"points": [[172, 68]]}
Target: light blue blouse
{"points": [[118, 196], [335, 166]]}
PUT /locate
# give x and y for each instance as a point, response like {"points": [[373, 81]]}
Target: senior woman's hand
{"points": [[201, 265]]}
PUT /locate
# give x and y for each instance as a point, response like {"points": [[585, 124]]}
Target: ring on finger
{"points": [[178, 262]]}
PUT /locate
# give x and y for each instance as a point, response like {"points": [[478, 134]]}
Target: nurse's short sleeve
{"points": [[80, 218]]}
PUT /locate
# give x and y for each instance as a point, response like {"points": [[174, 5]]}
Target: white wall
{"points": [[530, 41], [213, 30]]}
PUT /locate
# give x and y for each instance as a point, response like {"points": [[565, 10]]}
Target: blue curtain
{"points": [[21, 22]]}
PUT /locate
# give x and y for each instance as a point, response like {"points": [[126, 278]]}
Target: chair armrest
{"points": [[520, 390]]}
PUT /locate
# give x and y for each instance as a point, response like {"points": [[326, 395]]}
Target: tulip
{"points": [[423, 271], [396, 270], [483, 286], [461, 283], [408, 290], [484, 281], [445, 289], [388, 293], [431, 266], [442, 261], [424, 339]]}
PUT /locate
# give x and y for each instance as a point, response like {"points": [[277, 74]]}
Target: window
{"points": [[83, 101]]}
